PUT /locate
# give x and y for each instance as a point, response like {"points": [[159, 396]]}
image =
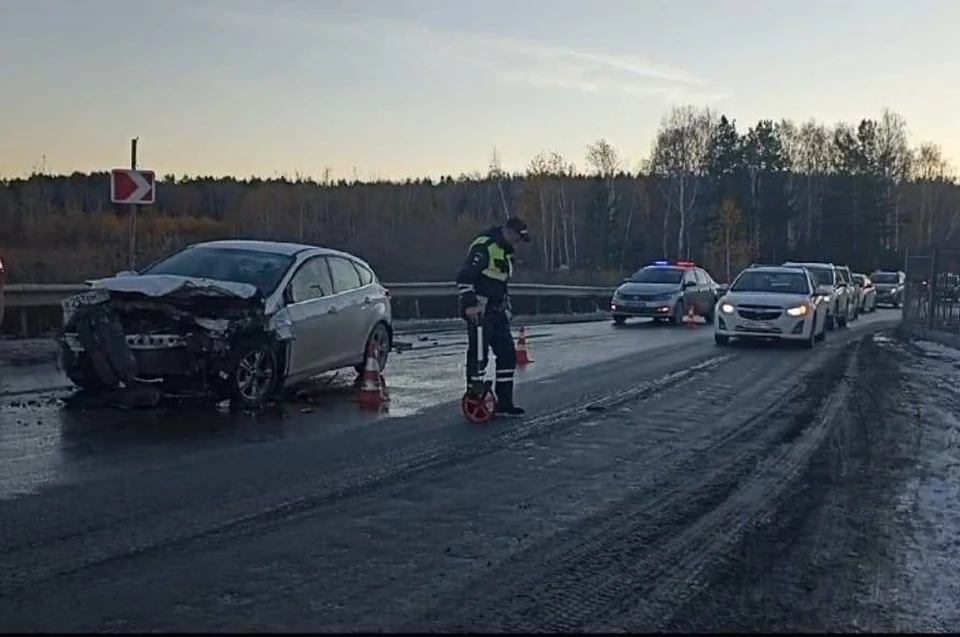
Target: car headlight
{"points": [[726, 308], [800, 310]]}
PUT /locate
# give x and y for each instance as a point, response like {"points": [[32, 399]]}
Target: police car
{"points": [[777, 302], [665, 291]]}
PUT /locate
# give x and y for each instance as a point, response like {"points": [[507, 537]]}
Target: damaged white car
{"points": [[231, 319]]}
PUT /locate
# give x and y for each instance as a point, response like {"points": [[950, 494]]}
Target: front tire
{"points": [[254, 373], [721, 339], [619, 319], [678, 311]]}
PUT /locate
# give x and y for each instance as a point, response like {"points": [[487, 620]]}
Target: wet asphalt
{"points": [[317, 515]]}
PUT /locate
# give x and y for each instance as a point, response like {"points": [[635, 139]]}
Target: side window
{"points": [[366, 276], [311, 281], [689, 276], [345, 277]]}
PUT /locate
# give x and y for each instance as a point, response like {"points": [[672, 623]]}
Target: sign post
{"points": [[135, 188], [133, 209]]}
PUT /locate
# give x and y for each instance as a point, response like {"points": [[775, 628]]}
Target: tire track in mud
{"points": [[96, 546], [588, 577]]}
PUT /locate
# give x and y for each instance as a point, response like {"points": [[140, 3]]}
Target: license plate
{"points": [[90, 297], [756, 325]]}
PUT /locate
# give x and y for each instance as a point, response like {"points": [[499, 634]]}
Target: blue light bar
{"points": [[661, 263]]}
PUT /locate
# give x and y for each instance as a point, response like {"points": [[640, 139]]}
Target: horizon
{"points": [[246, 89]]}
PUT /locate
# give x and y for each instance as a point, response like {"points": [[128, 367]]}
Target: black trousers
{"points": [[492, 333]]}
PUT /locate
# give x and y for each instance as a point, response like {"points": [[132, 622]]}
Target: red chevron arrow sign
{"points": [[132, 186]]}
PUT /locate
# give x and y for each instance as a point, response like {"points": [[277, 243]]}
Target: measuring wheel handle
{"points": [[479, 403]]}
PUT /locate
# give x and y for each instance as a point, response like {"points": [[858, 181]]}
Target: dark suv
{"points": [[889, 287], [665, 291]]}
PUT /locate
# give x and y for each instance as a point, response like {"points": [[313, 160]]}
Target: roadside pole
{"points": [[133, 209]]}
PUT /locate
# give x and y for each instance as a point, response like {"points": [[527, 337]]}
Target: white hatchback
{"points": [[772, 302]]}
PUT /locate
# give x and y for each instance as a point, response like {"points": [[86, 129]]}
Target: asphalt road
{"points": [[647, 455]]}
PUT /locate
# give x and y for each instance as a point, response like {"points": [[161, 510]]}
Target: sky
{"points": [[414, 88]]}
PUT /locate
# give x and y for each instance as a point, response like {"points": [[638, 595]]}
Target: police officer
{"points": [[485, 305]]}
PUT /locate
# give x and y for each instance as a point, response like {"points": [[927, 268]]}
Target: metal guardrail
{"points": [[29, 297], [43, 295]]}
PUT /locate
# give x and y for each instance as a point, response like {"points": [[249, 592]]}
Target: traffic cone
{"points": [[691, 319], [373, 394], [523, 355]]}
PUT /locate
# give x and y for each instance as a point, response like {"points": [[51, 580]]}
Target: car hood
{"points": [[177, 287], [648, 288], [772, 299]]}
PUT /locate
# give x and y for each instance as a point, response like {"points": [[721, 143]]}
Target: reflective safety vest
{"points": [[499, 263]]}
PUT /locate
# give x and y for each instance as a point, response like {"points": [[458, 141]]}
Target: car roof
{"points": [[774, 269], [284, 248], [822, 264]]}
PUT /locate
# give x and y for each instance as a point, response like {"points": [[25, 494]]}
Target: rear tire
{"points": [[619, 319], [381, 335]]}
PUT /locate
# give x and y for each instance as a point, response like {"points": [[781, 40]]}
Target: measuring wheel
{"points": [[479, 403]]}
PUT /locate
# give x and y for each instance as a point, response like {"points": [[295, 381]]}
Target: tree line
{"points": [[709, 191]]}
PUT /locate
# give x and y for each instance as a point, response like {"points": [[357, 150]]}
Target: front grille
{"points": [[759, 315]]}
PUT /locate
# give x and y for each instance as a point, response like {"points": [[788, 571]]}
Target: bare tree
{"points": [[496, 174], [678, 158], [893, 159]]}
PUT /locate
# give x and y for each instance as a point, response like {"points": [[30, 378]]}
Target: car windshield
{"points": [[823, 275], [261, 269], [884, 277], [655, 274], [777, 282]]}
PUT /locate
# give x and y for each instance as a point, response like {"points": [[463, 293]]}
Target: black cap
{"points": [[519, 226]]}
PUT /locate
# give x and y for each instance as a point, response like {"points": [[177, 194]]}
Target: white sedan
{"points": [[242, 318], [772, 302]]}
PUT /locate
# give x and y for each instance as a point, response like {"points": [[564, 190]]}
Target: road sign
{"points": [[132, 186]]}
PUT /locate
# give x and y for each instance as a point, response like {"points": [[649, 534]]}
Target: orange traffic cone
{"points": [[373, 393], [523, 355], [691, 319]]}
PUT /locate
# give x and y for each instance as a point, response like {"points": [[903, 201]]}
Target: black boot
{"points": [[505, 406]]}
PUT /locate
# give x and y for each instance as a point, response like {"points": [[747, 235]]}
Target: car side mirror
{"points": [[722, 288]]}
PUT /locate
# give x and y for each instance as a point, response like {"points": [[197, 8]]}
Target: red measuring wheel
{"points": [[479, 404]]}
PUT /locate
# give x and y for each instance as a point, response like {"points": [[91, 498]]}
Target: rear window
{"points": [[261, 269]]}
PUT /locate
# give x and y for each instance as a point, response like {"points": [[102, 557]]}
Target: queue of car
{"points": [[792, 301]]}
